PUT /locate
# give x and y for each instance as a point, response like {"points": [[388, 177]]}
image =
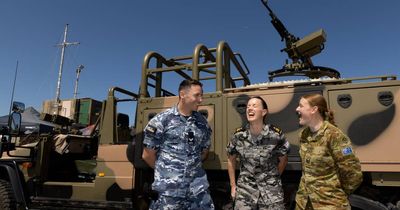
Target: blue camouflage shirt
{"points": [[179, 142]]}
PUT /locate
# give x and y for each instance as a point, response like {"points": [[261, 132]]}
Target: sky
{"points": [[114, 36]]}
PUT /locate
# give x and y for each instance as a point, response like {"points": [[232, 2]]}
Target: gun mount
{"points": [[300, 52]]}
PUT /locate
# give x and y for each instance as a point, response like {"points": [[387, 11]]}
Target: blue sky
{"points": [[362, 39]]}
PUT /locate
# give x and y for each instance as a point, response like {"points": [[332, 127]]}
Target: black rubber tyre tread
{"points": [[361, 202], [7, 200]]}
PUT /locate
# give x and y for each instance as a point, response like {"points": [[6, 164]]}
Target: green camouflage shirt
{"points": [[331, 171]]}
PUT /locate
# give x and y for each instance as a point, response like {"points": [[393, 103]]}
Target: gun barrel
{"points": [[279, 27], [265, 2]]}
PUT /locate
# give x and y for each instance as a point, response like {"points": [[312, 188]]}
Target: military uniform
{"points": [[331, 171], [179, 177], [259, 184]]}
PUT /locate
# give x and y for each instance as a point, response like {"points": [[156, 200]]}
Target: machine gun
{"points": [[300, 52]]}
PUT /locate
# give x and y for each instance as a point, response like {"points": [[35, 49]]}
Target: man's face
{"points": [[192, 97]]}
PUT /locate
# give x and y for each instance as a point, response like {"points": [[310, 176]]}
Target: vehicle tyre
{"points": [[7, 200], [360, 202]]}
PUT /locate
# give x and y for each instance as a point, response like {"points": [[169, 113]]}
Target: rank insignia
{"points": [[276, 129], [240, 129]]}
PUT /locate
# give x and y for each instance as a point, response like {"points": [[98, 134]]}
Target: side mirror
{"points": [[18, 107], [15, 123], [14, 120], [13, 128]]}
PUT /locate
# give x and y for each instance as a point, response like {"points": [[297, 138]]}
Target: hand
{"points": [[233, 192]]}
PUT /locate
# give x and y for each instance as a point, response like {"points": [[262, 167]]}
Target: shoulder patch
{"points": [[276, 129], [347, 151], [151, 129], [240, 129]]}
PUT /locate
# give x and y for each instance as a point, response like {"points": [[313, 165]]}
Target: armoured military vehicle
{"points": [[367, 110]]}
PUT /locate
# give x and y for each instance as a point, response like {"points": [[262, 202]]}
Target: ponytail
{"points": [[319, 101], [329, 116]]}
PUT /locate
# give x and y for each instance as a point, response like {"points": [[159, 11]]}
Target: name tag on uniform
{"points": [[347, 151]]}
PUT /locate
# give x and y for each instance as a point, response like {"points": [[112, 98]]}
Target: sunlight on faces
{"points": [[192, 97], [305, 111], [255, 110]]}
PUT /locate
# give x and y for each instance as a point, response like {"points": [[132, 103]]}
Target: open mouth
{"points": [[298, 114], [251, 114]]}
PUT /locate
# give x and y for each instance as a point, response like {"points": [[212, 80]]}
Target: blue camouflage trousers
{"points": [[201, 201]]}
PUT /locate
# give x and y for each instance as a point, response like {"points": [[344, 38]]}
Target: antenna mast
{"points": [[63, 45], [78, 72], [13, 89]]}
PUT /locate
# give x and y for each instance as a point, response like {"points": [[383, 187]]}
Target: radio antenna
{"points": [[13, 89]]}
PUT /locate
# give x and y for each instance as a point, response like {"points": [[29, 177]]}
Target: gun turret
{"points": [[300, 52]]}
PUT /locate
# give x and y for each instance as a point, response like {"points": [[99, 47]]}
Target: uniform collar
{"points": [[310, 136], [264, 131], [175, 112]]}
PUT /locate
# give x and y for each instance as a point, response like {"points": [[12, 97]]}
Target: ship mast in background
{"points": [[63, 45], [78, 72]]}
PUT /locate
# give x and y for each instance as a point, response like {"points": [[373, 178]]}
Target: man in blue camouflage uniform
{"points": [[262, 150], [176, 142]]}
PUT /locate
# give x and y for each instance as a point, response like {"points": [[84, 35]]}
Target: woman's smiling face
{"points": [[304, 111], [255, 110]]}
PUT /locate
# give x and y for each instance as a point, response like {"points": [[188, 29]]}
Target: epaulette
{"points": [[240, 129], [276, 129]]}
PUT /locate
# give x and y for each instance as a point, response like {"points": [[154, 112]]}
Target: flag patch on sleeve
{"points": [[347, 151]]}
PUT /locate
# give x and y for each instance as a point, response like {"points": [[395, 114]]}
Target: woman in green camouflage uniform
{"points": [[262, 150], [331, 171]]}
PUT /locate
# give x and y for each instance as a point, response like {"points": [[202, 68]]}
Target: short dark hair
{"points": [[188, 83]]}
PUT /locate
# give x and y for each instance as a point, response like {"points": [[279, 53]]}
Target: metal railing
{"points": [[214, 62]]}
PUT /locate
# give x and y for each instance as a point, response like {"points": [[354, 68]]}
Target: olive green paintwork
{"points": [[97, 170]]}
